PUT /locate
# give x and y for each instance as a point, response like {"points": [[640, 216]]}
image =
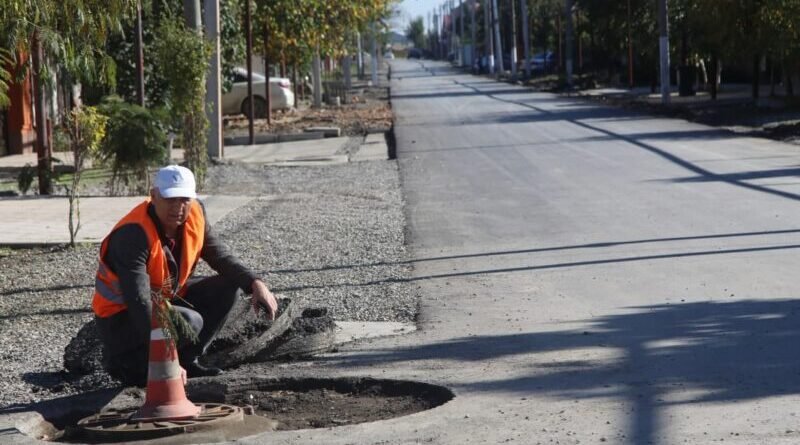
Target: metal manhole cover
{"points": [[117, 426]]}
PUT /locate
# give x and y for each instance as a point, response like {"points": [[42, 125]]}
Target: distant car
{"points": [[414, 53], [388, 55], [280, 93]]}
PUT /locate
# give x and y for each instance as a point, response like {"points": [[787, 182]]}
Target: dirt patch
{"points": [[368, 111], [269, 404], [323, 403], [322, 408]]}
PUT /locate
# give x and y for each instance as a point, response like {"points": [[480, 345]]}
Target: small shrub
{"points": [[25, 178], [136, 139], [85, 130]]}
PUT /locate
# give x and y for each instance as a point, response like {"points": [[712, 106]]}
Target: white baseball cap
{"points": [[175, 181]]}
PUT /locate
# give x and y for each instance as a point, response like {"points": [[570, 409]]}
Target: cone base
{"points": [[175, 411]]}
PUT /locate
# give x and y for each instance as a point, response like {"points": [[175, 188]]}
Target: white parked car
{"points": [[280, 93]]}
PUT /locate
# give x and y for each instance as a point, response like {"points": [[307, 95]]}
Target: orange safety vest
{"points": [[108, 298]]}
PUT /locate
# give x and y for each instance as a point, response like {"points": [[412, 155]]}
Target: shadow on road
{"points": [[597, 245], [575, 117], [669, 355], [744, 176], [548, 266]]}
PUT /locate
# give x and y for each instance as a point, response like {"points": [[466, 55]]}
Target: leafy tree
{"points": [[136, 139], [232, 40], [5, 76], [185, 76], [121, 47], [415, 32], [71, 32]]}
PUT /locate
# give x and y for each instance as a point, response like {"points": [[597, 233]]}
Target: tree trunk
{"points": [[267, 98], [526, 37], [771, 77], [139, 56], [317, 75], [559, 53], [569, 40], [714, 76], [43, 149], [756, 75], [663, 50], [294, 84], [513, 48], [348, 77], [248, 23]]}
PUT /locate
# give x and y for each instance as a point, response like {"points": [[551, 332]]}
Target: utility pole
{"points": [[663, 46], [250, 105], [374, 55], [453, 27], [497, 42], [526, 37], [513, 40], [569, 39], [429, 27], [461, 34], [214, 146], [435, 30], [191, 14], [445, 30], [267, 70], [360, 58], [473, 37], [487, 28]]}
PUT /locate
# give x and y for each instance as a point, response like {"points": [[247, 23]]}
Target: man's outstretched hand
{"points": [[262, 297]]}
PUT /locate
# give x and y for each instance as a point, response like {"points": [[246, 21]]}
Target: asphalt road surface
{"points": [[590, 275]]}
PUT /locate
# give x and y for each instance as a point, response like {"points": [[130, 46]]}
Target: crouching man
{"points": [[155, 247]]}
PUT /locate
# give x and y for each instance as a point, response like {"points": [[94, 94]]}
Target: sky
{"points": [[412, 9]]}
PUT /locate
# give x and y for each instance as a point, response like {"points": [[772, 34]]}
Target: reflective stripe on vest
{"points": [[108, 299]]}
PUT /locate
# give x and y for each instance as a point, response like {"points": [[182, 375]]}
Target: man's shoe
{"points": [[195, 369]]}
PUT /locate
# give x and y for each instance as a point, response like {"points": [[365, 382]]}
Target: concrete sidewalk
{"points": [[729, 93], [43, 220], [40, 220]]}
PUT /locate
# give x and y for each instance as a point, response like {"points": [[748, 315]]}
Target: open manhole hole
{"points": [[322, 403], [268, 404]]}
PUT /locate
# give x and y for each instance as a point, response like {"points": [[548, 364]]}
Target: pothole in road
{"points": [[323, 403], [269, 404]]}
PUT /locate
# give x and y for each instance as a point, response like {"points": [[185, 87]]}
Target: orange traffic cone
{"points": [[166, 397]]}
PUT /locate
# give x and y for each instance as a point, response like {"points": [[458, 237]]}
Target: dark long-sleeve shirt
{"points": [[128, 252]]}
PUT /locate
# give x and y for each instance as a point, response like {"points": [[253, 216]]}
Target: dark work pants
{"points": [[208, 303]]}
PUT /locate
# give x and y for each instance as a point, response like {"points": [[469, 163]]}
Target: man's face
{"points": [[172, 212]]}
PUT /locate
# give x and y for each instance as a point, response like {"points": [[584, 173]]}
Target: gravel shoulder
{"points": [[325, 236]]}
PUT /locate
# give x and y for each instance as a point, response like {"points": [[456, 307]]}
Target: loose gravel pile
{"points": [[324, 236]]}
